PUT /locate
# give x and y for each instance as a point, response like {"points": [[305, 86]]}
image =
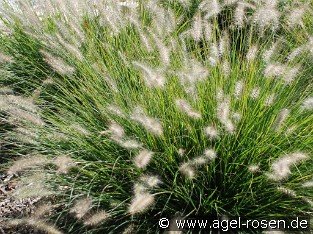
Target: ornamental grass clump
{"points": [[140, 110]]}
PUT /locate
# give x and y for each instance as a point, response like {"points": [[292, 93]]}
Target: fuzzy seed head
{"points": [[223, 45], [130, 229], [295, 17], [255, 93], [181, 152], [238, 89], [63, 163], [140, 203], [130, 144], [269, 100], [196, 31], [295, 53], [152, 78], [32, 186], [152, 125], [185, 107], [226, 68], [96, 218], [308, 184], [80, 129], [58, 64], [308, 200], [268, 54], [308, 104], [115, 110], [281, 166], [139, 188], [287, 191], [42, 210], [81, 207], [290, 74], [143, 158], [5, 58], [223, 111], [212, 8], [207, 31], [281, 118], [210, 154], [239, 15], [116, 130], [211, 132], [27, 162], [187, 170], [151, 181], [267, 16], [36, 224], [274, 70], [236, 116], [252, 53], [254, 168], [198, 161]]}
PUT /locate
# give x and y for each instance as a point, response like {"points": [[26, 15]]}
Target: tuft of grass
{"points": [[160, 108]]}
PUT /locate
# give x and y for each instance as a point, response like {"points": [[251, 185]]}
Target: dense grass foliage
{"points": [[125, 112]]}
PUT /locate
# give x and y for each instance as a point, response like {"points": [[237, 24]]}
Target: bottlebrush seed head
{"points": [[96, 218], [211, 8], [152, 125], [207, 31], [281, 118], [140, 203], [252, 53], [139, 188], [143, 158], [210, 154], [287, 191], [269, 100], [267, 16], [294, 17], [239, 15], [295, 53], [199, 161], [5, 58], [211, 132], [254, 168], [275, 70], [130, 144], [308, 104], [268, 54], [226, 68], [116, 130], [236, 116], [290, 74], [58, 64], [63, 163], [280, 168], [255, 93], [187, 170], [181, 152], [238, 89], [185, 107], [152, 78], [81, 207], [150, 180], [115, 110], [308, 184], [27, 162], [196, 30]]}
